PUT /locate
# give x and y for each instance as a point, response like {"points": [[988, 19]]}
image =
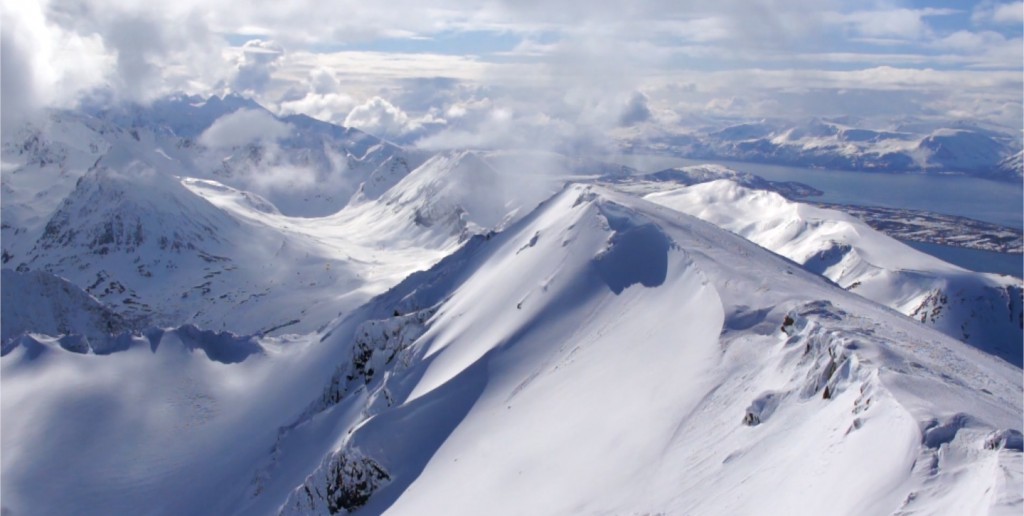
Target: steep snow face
{"points": [[454, 195], [602, 354], [43, 303], [122, 225], [954, 149], [985, 310], [606, 356], [466, 186]]}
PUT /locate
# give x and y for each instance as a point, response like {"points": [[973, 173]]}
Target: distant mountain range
{"points": [[844, 144]]}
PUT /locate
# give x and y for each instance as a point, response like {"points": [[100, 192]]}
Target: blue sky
{"points": [[410, 65]]}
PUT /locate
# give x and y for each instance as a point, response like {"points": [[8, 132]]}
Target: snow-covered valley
{"points": [[311, 320]]}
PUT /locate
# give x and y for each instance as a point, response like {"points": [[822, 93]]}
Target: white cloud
{"points": [[381, 118], [322, 98], [577, 63], [329, 107], [255, 65], [281, 178], [45, 65], [1009, 13], [500, 128], [989, 12], [243, 127], [635, 110], [895, 24]]}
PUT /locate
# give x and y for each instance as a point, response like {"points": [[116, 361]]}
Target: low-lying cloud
{"points": [[243, 127], [573, 70], [379, 117]]}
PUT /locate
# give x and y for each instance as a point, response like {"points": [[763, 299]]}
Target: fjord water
{"points": [[980, 199], [974, 259], [990, 201]]}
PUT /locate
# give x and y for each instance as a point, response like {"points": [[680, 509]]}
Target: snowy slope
{"points": [[960, 149], [1013, 166], [161, 249], [602, 354], [307, 168], [40, 165], [312, 171], [456, 194], [985, 310], [156, 250], [696, 174], [40, 302], [113, 202]]}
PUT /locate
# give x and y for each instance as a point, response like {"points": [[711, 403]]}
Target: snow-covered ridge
{"points": [[984, 309], [837, 375], [696, 174], [223, 347], [43, 303]]}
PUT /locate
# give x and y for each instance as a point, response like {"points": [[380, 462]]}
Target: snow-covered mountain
{"points": [[160, 247], [602, 354], [208, 309], [697, 174], [114, 202], [43, 303], [843, 144], [1013, 166], [986, 310], [303, 166]]}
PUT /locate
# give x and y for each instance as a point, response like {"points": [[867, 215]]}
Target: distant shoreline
{"points": [[936, 228]]}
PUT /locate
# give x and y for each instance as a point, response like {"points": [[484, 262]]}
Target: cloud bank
{"points": [[451, 69], [243, 127]]}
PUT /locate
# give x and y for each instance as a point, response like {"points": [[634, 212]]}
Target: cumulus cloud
{"points": [[329, 107], [255, 65], [989, 12], [636, 110], [43, 64], [322, 98], [899, 24], [155, 49], [243, 127], [379, 117], [569, 71], [1009, 13], [57, 52]]}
